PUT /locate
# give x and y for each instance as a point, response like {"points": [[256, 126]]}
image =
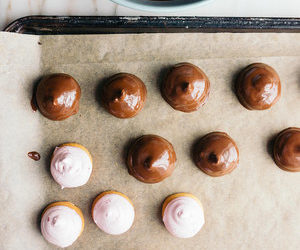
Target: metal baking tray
{"points": [[57, 25]]}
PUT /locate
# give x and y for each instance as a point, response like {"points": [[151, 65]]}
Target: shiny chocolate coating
{"points": [[258, 86], [124, 95], [151, 159], [58, 96], [186, 87], [286, 149], [216, 154]]}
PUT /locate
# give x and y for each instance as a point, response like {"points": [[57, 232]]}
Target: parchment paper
{"points": [[255, 207]]}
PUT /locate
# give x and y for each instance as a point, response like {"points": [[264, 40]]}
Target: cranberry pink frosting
{"points": [[113, 213], [61, 225], [71, 166], [183, 217]]}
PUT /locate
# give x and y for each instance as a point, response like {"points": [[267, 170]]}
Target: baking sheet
{"points": [[255, 207]]}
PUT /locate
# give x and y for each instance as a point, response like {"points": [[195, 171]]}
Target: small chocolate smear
{"points": [[33, 103], [34, 155], [39, 43]]}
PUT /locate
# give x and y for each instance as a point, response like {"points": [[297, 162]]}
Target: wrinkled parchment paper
{"points": [[255, 207]]}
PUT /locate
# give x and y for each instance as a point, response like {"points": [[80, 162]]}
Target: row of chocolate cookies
{"points": [[152, 158], [185, 88]]}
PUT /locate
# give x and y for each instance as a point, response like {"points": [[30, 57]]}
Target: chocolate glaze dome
{"points": [[258, 86], [124, 95], [58, 96], [216, 154], [186, 87], [286, 149], [151, 159]]}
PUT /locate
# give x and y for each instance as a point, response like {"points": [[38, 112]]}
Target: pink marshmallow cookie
{"points": [[61, 225], [183, 217], [113, 213], [70, 166]]}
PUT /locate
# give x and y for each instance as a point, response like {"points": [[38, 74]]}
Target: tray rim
{"points": [[61, 25]]}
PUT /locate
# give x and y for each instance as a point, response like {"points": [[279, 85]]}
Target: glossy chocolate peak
{"points": [[186, 87], [151, 159], [58, 96], [287, 149], [258, 86], [124, 95], [216, 154]]}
